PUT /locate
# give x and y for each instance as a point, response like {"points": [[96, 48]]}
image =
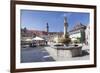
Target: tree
{"points": [[65, 40], [25, 29], [78, 40]]}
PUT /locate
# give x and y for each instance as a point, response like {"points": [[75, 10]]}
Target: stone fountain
{"points": [[65, 50]]}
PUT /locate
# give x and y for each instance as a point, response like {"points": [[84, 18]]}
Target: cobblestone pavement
{"points": [[40, 54], [36, 54]]}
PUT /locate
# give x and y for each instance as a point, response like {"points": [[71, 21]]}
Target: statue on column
{"points": [[65, 38], [65, 27]]}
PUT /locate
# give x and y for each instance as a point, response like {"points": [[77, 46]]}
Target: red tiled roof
{"points": [[38, 32]]}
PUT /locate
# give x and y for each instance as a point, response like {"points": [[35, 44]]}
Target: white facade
{"points": [[75, 35], [78, 33], [87, 35]]}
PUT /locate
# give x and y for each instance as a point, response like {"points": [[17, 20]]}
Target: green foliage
{"points": [[65, 39], [25, 29], [78, 40], [66, 35]]}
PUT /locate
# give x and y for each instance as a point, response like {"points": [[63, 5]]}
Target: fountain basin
{"points": [[64, 52], [71, 51]]}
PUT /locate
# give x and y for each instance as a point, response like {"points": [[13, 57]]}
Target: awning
{"points": [[38, 38]]}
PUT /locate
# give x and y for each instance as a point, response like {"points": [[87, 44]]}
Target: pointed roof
{"points": [[78, 26]]}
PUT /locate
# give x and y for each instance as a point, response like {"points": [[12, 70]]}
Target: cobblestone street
{"points": [[36, 54], [41, 54]]}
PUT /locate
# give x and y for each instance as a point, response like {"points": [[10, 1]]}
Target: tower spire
{"points": [[47, 27]]}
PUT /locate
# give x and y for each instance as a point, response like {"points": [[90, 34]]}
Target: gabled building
{"points": [[78, 32]]}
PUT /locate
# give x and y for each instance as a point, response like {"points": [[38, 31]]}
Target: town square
{"points": [[54, 36]]}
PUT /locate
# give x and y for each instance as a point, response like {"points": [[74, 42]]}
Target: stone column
{"points": [[65, 26]]}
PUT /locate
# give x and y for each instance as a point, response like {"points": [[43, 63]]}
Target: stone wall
{"points": [[64, 53]]}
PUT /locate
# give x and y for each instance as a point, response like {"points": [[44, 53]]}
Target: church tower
{"points": [[47, 28], [65, 26]]}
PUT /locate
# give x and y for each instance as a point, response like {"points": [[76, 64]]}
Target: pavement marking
{"points": [[44, 51], [46, 56]]}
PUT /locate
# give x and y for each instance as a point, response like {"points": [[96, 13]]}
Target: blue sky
{"points": [[36, 20]]}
